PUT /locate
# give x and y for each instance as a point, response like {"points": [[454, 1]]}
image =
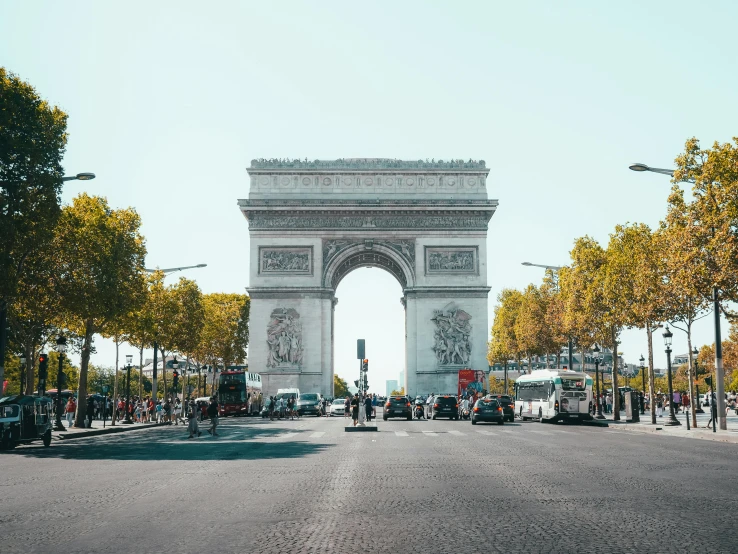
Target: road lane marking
{"points": [[540, 432], [485, 432], [430, 433], [457, 433], [401, 433], [286, 436], [317, 434]]}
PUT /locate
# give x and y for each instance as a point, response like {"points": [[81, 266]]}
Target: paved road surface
{"points": [[307, 486]]}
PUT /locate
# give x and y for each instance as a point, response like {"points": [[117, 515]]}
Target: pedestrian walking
{"points": [[70, 408], [192, 426], [347, 406], [90, 411], [213, 415], [368, 407], [355, 408], [429, 405]]}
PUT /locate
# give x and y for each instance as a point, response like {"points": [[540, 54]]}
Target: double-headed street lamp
{"points": [[554, 270], [129, 363], [156, 345], [61, 348], [4, 305], [719, 375], [597, 360], [672, 420]]}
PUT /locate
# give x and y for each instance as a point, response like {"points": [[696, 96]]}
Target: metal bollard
{"points": [[686, 415]]}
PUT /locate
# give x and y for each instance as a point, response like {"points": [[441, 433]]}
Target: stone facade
{"points": [[312, 223]]}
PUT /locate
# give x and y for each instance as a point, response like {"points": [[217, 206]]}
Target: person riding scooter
{"points": [[464, 408], [419, 409]]}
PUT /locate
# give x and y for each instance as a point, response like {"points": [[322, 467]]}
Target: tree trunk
{"points": [[30, 361], [115, 382], [690, 374], [651, 374], [140, 371], [615, 392], [164, 371], [79, 420]]}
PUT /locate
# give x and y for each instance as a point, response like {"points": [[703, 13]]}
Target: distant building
{"points": [[392, 385]]}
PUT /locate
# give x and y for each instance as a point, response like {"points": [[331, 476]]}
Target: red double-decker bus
{"points": [[239, 392]]}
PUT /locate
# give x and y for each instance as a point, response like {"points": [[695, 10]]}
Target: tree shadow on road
{"points": [[170, 447]]}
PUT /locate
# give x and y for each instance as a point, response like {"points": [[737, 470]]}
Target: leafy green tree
{"points": [[100, 263], [224, 328], [33, 138], [340, 387], [504, 343], [395, 392]]}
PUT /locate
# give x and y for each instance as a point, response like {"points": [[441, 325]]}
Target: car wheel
{"points": [[434, 417], [409, 418], [384, 418], [47, 438], [502, 422], [474, 421]]}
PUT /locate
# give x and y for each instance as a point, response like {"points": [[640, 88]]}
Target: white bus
{"points": [[554, 395]]}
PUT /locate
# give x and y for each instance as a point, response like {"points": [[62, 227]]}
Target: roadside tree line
{"points": [[641, 278], [78, 270]]}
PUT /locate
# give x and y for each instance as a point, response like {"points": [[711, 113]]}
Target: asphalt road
{"points": [[307, 486]]}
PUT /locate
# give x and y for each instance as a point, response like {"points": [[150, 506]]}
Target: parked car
{"points": [[310, 403], [487, 409], [398, 406], [508, 406], [446, 406], [337, 407]]}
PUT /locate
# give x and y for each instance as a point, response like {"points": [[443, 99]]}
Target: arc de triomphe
{"points": [[312, 223]]}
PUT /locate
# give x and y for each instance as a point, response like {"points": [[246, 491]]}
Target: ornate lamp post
{"points": [[643, 384], [129, 362], [61, 348], [597, 360], [672, 420], [175, 375]]}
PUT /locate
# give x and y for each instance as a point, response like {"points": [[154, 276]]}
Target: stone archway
{"points": [[312, 223]]}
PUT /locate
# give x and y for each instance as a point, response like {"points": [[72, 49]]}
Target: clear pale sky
{"points": [[169, 101]]}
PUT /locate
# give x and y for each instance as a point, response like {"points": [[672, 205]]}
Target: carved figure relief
{"points": [[452, 336], [451, 260], [284, 338], [268, 221], [333, 247], [289, 260], [404, 247]]}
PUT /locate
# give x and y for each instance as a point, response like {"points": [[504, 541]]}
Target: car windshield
{"points": [[9, 411], [503, 399], [401, 400], [487, 403], [339, 401], [312, 397]]}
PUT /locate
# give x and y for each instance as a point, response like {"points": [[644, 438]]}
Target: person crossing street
{"points": [[213, 415]]}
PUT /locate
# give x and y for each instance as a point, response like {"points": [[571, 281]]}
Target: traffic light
{"points": [[365, 365], [175, 379], [43, 366], [366, 383]]}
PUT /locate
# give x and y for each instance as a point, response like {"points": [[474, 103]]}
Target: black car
{"points": [[487, 409], [398, 406], [446, 406], [310, 404], [508, 406]]}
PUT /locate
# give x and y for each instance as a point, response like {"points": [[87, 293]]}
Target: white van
{"points": [[288, 392]]}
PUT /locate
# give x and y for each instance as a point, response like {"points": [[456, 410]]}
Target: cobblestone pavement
{"points": [[307, 486]]}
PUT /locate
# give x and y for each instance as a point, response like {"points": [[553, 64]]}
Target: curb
{"points": [[659, 430], [105, 431]]}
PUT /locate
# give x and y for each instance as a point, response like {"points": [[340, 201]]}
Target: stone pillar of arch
{"points": [[312, 223]]}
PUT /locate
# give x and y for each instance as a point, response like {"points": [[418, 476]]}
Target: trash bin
{"points": [[632, 407]]}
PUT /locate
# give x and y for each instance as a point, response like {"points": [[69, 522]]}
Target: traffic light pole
{"points": [[362, 409], [58, 426]]}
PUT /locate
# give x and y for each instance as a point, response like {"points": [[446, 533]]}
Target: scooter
{"points": [[419, 411], [465, 413]]}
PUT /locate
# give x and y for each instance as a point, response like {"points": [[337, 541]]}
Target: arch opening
{"points": [[361, 256]]}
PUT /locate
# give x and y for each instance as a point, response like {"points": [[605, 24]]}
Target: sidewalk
{"points": [[98, 429], [701, 432]]}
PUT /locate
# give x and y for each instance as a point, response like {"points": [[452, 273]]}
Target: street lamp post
{"points": [[129, 362], [672, 420], [597, 360], [643, 384], [61, 348], [719, 385], [698, 406], [175, 367]]}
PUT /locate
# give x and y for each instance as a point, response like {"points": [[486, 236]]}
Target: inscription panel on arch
{"points": [[451, 260], [286, 260]]}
